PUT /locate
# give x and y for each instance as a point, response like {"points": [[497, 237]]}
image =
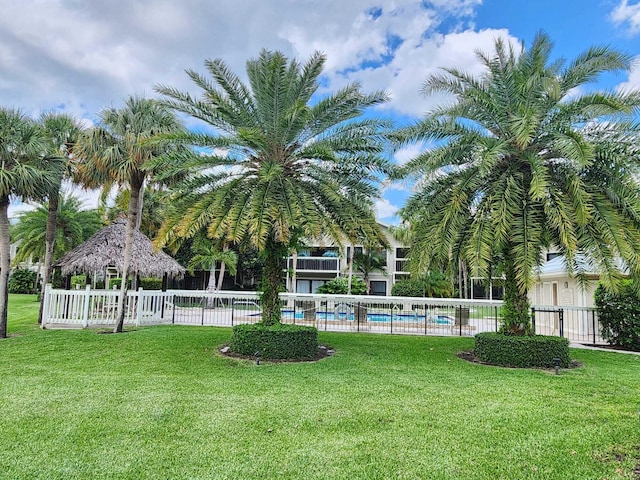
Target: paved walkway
{"points": [[602, 349]]}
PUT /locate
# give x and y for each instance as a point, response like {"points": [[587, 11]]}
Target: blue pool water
{"points": [[376, 317]]}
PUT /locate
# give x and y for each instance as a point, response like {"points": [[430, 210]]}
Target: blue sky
{"points": [[80, 56]]}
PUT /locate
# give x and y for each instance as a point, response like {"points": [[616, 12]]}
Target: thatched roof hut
{"points": [[106, 249]]}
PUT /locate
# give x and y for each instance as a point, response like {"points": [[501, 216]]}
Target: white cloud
{"points": [[385, 209], [633, 81], [629, 15], [82, 56], [409, 152]]}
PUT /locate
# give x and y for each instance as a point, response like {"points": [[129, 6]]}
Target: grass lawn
{"points": [[160, 403]]}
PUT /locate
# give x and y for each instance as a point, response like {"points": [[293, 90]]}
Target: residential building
{"points": [[322, 260]]}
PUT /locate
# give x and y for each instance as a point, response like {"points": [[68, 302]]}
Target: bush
{"points": [[619, 316], [151, 283], [340, 286], [521, 351], [275, 341], [22, 281], [78, 281], [432, 284]]}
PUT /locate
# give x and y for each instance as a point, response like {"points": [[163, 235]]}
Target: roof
{"points": [[106, 248], [557, 266]]}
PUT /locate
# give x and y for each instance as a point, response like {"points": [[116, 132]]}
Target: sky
{"points": [[79, 56]]}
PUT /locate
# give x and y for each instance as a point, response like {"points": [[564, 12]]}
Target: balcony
{"points": [[315, 264], [402, 265]]}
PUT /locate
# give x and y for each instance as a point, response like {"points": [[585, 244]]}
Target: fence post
{"points": [[561, 321], [425, 318], [233, 302], [139, 306], [173, 312], [593, 318], [85, 310], [495, 316], [533, 319]]}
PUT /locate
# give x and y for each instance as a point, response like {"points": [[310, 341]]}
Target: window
{"points": [[357, 250], [552, 255], [378, 287], [308, 286]]}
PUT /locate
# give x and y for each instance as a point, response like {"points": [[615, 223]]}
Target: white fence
{"points": [[417, 316]]}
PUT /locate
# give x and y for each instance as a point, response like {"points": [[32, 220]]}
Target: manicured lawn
{"points": [[160, 403]]}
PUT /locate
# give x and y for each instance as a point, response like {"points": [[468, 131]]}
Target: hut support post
{"points": [[139, 306], [85, 309], [45, 305]]}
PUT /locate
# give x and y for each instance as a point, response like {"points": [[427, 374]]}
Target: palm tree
{"points": [[73, 226], [277, 162], [24, 174], [61, 131], [368, 262], [207, 254], [523, 160], [116, 152]]}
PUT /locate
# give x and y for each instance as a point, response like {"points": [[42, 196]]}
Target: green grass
{"points": [[160, 403]]}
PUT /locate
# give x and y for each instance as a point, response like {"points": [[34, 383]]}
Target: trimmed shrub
{"points": [[275, 341], [340, 286], [151, 283], [619, 315], [431, 284], [78, 281], [521, 351], [22, 281]]}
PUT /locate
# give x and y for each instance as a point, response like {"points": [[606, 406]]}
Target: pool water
{"points": [[375, 317]]}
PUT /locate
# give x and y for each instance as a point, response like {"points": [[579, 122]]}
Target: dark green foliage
{"points": [[22, 281], [277, 341], [619, 315], [340, 286], [521, 351], [433, 285], [150, 283]]}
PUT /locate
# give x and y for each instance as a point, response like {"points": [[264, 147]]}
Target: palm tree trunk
{"points": [[272, 278], [211, 284], [5, 262], [50, 237], [351, 254], [221, 275], [294, 274], [132, 220], [516, 302]]}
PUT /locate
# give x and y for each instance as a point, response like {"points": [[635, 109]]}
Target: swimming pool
{"points": [[375, 317]]}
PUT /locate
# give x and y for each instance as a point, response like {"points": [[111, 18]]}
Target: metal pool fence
{"points": [[393, 315]]}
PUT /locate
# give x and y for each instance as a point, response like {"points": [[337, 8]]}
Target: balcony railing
{"points": [[316, 264]]}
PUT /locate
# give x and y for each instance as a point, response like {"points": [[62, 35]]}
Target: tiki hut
{"points": [[106, 249]]}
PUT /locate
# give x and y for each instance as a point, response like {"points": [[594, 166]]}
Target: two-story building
{"points": [[321, 260]]}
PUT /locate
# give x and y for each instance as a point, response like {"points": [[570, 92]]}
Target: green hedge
{"points": [[147, 283], [619, 316], [275, 341], [340, 286], [521, 351], [22, 280]]}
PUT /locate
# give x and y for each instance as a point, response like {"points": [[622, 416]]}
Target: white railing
{"points": [[410, 315]]}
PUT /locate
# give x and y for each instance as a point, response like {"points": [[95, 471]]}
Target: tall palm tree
{"points": [[278, 162], [524, 160], [73, 226], [61, 131], [24, 174], [368, 262], [116, 151]]}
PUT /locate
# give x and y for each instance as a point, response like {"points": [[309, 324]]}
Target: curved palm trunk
{"points": [[4, 263], [221, 275], [272, 278], [50, 237], [132, 219]]}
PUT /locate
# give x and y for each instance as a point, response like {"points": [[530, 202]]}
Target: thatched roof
{"points": [[106, 249]]}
